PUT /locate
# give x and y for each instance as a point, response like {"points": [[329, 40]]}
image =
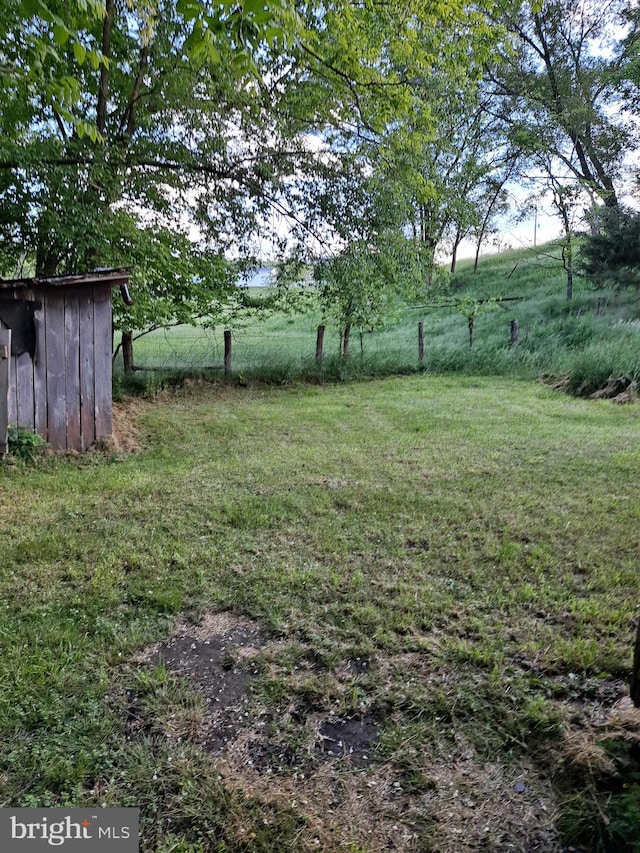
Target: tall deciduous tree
{"points": [[405, 105], [130, 128], [183, 119], [560, 76]]}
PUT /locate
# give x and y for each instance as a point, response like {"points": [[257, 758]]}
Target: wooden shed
{"points": [[57, 367]]}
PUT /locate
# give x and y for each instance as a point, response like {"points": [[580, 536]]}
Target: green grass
{"points": [[583, 342], [473, 539]]}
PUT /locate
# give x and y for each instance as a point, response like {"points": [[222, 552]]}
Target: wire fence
{"points": [[253, 349]]}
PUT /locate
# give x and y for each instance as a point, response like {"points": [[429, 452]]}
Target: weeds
{"points": [[24, 444]]}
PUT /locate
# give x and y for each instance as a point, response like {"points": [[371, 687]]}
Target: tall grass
{"points": [[585, 342]]}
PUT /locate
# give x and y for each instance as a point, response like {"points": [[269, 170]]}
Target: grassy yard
{"points": [[392, 615]]}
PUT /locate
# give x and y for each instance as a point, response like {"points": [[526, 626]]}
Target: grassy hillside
{"points": [[583, 343]]}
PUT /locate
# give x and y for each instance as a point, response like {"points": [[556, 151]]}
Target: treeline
{"points": [[354, 139]]}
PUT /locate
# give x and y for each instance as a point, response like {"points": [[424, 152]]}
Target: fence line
{"points": [[246, 349]]}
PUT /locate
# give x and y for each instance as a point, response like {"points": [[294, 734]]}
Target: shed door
{"points": [[5, 355]]}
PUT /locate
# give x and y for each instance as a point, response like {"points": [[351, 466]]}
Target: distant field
{"points": [[384, 615], [584, 342]]}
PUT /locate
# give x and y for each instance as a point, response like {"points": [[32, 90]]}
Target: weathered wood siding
{"points": [[5, 349], [64, 391]]}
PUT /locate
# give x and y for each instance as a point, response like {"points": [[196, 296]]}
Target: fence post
{"points": [[5, 358], [127, 351], [227, 352], [319, 343], [515, 331], [598, 307], [421, 342], [345, 340]]}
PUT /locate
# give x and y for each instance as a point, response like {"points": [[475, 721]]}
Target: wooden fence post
{"points": [[5, 359], [345, 340], [515, 331], [319, 343], [127, 352], [227, 353], [421, 342]]}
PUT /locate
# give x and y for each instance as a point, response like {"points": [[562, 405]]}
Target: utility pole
{"points": [[535, 226]]}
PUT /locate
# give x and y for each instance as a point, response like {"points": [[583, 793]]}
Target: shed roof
{"points": [[113, 278]]}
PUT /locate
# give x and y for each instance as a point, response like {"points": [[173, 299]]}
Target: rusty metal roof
{"points": [[114, 278]]}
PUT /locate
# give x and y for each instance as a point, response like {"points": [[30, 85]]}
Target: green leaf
{"points": [[31, 7], [94, 58], [272, 34], [254, 6], [61, 34], [188, 9], [79, 52]]}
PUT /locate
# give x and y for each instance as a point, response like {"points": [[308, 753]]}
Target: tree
{"points": [[159, 142], [560, 77], [31, 36], [493, 197], [443, 171], [404, 106], [182, 125], [612, 256], [360, 284]]}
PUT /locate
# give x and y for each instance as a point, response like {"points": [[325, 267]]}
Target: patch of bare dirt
{"points": [[325, 764], [216, 656]]}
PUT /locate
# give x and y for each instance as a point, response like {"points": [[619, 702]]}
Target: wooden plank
{"points": [[40, 370], [54, 344], [103, 343], [11, 389], [87, 368], [25, 406], [5, 348], [24, 391], [72, 369]]}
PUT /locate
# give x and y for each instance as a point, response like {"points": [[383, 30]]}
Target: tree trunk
{"points": [[103, 89], [567, 257], [127, 352], [454, 252]]}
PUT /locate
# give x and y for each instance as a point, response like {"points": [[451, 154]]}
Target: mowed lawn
{"points": [[443, 569]]}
